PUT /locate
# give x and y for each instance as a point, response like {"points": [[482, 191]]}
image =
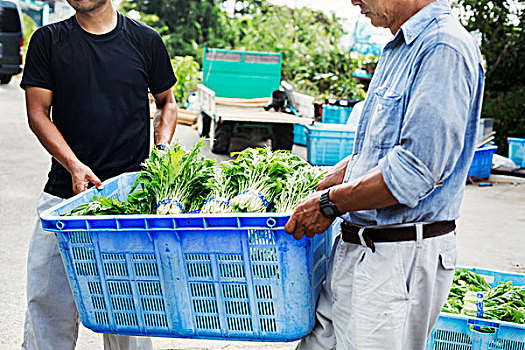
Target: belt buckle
{"points": [[365, 238], [369, 242]]}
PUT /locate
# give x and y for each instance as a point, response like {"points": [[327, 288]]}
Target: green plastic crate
{"points": [[241, 74]]}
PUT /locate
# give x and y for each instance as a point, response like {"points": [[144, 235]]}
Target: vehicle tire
{"points": [[220, 143], [282, 137], [203, 124], [5, 79]]}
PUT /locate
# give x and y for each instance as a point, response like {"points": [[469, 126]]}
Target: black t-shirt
{"points": [[100, 92]]}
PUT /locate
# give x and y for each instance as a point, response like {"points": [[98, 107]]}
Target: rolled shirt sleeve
{"points": [[433, 128]]}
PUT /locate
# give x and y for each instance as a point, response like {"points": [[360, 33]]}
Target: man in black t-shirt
{"points": [[86, 81]]}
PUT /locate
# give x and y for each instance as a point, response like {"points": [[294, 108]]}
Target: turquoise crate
{"points": [[299, 134], [333, 114], [463, 333], [229, 276], [327, 144], [517, 150], [482, 162]]}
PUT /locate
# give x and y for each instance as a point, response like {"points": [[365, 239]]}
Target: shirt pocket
{"points": [[386, 118]]}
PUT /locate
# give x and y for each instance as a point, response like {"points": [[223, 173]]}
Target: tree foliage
{"points": [[501, 24], [185, 25], [310, 41]]}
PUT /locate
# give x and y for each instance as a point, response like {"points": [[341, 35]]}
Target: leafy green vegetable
{"points": [[180, 180], [503, 302], [297, 186], [174, 181]]}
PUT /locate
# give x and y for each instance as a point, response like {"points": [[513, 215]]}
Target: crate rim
{"points": [[56, 223], [482, 320], [516, 139], [486, 269]]}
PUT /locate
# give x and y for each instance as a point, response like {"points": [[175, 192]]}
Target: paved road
{"points": [[491, 228]]}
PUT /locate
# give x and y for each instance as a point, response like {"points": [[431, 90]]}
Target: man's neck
{"points": [[99, 21], [410, 9]]}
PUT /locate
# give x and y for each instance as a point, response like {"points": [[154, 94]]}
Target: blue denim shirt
{"points": [[420, 118]]}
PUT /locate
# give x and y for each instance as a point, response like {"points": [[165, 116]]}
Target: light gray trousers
{"points": [[389, 299], [51, 321]]}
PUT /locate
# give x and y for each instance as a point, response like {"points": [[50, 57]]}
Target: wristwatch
{"points": [[327, 208], [161, 147]]}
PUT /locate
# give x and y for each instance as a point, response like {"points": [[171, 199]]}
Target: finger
{"points": [[322, 185], [290, 225], [95, 181], [310, 234], [298, 234]]}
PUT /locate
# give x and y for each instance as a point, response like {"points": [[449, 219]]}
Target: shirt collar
{"points": [[418, 22]]}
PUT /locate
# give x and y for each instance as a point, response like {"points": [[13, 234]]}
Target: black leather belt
{"points": [[350, 233]]}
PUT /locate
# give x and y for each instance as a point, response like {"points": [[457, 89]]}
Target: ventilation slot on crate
{"points": [[240, 324], [231, 267], [81, 253], [447, 340], [265, 271], [207, 322], [152, 303], [505, 344], [198, 266], [261, 237], [122, 303], [263, 254], [263, 292], [101, 317], [119, 288], [115, 265], [126, 319], [155, 320], [86, 268], [80, 238], [204, 303], [145, 265], [98, 302], [265, 308], [268, 325], [237, 307]]}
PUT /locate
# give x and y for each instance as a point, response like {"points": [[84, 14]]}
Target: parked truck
{"points": [[236, 86]]}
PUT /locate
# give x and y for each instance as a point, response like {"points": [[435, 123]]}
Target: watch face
{"points": [[328, 212]]}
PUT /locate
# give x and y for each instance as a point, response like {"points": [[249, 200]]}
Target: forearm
{"points": [[367, 192], [52, 140], [164, 123]]}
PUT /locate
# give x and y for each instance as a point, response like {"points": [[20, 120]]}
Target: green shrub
{"points": [[501, 25], [187, 72]]}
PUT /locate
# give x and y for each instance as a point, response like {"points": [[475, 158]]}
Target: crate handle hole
{"points": [[271, 222], [483, 329], [60, 225]]}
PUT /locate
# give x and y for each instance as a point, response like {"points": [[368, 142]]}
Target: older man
{"points": [[400, 190]]}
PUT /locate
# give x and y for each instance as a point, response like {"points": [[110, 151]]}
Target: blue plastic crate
{"points": [[482, 162], [333, 114], [299, 134], [517, 150], [230, 277], [461, 332], [327, 144]]}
